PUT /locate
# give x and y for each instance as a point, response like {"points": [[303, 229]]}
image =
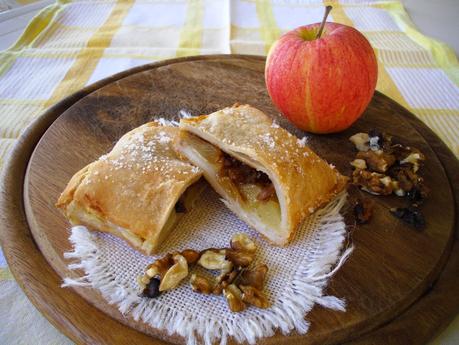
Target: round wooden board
{"points": [[385, 280]]}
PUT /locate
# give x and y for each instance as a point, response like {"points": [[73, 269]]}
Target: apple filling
{"points": [[247, 180], [248, 192]]}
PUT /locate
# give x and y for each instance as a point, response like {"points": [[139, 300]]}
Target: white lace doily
{"points": [[296, 278]]}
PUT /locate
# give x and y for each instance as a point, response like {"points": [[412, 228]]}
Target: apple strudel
{"points": [[138, 191], [266, 176]]}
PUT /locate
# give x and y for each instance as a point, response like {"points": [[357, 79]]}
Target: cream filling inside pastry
{"points": [[250, 193]]}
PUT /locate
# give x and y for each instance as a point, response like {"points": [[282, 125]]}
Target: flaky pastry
{"points": [[266, 176], [137, 191]]}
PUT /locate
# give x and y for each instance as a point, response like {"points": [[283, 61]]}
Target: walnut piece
{"points": [[254, 277], [254, 296], [361, 141], [371, 182], [160, 266], [191, 256], [167, 273], [201, 284], [359, 164], [225, 279], [414, 159], [239, 258], [377, 161], [234, 298], [382, 168], [242, 242], [175, 274], [214, 259]]}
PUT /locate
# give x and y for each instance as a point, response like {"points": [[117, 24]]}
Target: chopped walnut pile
{"points": [[239, 283], [383, 168]]}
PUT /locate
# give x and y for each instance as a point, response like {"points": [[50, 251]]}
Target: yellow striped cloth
{"points": [[71, 44]]}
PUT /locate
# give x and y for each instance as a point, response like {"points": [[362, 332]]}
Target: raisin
{"points": [[410, 215], [363, 210], [415, 195], [266, 193], [152, 288], [374, 133]]}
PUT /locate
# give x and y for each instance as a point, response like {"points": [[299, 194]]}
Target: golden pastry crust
{"points": [[131, 191], [303, 181]]}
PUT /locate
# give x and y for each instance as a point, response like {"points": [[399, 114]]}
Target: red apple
{"points": [[322, 84]]}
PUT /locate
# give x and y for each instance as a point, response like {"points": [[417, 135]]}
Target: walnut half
{"points": [[242, 242], [254, 296], [175, 274], [234, 298], [215, 259], [201, 284]]}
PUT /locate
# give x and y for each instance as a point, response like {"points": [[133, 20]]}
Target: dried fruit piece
{"points": [[254, 277], [240, 258], [254, 296], [190, 255], [417, 194], [201, 284], [234, 298], [151, 290], [213, 259], [266, 192], [363, 210], [175, 274], [361, 141], [410, 215]]}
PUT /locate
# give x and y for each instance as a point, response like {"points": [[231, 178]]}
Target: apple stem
{"points": [[327, 11]]}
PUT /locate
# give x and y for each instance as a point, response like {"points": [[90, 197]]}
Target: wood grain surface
{"points": [[391, 267]]}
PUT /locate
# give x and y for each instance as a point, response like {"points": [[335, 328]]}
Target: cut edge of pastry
{"points": [[187, 143], [92, 218]]}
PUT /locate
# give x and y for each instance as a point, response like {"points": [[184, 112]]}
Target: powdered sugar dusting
{"points": [[267, 139], [302, 142], [164, 138], [274, 125], [163, 122], [184, 114]]}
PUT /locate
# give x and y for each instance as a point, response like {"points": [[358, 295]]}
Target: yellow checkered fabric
{"points": [[74, 43]]}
